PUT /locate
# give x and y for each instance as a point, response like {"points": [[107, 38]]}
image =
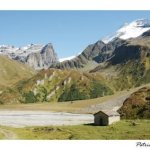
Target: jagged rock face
{"points": [[42, 59], [93, 50], [35, 55], [106, 52]]}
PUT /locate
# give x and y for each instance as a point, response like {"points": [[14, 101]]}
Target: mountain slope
{"points": [[57, 85], [12, 71], [129, 65]]}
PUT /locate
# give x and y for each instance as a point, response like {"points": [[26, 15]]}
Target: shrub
{"points": [[41, 95], [99, 90], [73, 93], [29, 97]]}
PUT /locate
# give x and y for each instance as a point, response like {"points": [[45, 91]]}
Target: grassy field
{"points": [[137, 129], [1, 136]]}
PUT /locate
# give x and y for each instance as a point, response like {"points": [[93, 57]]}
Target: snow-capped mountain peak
{"points": [[131, 30], [31, 54], [31, 48]]}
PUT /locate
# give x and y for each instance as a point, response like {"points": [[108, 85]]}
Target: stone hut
{"points": [[105, 118]]}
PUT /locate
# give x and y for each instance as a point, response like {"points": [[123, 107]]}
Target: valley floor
{"points": [[18, 121], [125, 130]]}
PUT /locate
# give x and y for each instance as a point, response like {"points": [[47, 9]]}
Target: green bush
{"points": [[99, 90], [73, 93], [29, 97], [41, 95]]}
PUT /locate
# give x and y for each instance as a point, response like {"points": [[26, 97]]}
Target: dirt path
{"points": [[8, 135]]}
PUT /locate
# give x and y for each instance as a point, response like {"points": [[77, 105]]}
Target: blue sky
{"points": [[69, 31]]}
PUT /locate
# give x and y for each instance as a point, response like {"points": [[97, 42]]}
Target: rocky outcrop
{"points": [[42, 59]]}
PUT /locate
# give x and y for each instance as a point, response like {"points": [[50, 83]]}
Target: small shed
{"points": [[105, 118]]}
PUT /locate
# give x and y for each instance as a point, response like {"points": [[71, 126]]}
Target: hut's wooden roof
{"points": [[108, 112]]}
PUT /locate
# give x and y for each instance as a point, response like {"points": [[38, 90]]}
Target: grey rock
{"points": [[42, 59], [36, 56], [98, 52], [88, 54]]}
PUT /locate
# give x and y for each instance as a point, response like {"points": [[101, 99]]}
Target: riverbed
{"points": [[42, 118]]}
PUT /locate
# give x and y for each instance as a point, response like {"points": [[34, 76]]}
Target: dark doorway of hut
{"points": [[101, 122]]}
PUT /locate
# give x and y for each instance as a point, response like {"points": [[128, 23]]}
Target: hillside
{"points": [[57, 85], [134, 62], [130, 64], [12, 71], [137, 105]]}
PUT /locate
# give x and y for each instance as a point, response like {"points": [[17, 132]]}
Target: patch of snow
{"points": [[21, 52], [131, 30], [67, 58]]}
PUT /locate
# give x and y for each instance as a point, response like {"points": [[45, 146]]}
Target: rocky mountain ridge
{"points": [[35, 55]]}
